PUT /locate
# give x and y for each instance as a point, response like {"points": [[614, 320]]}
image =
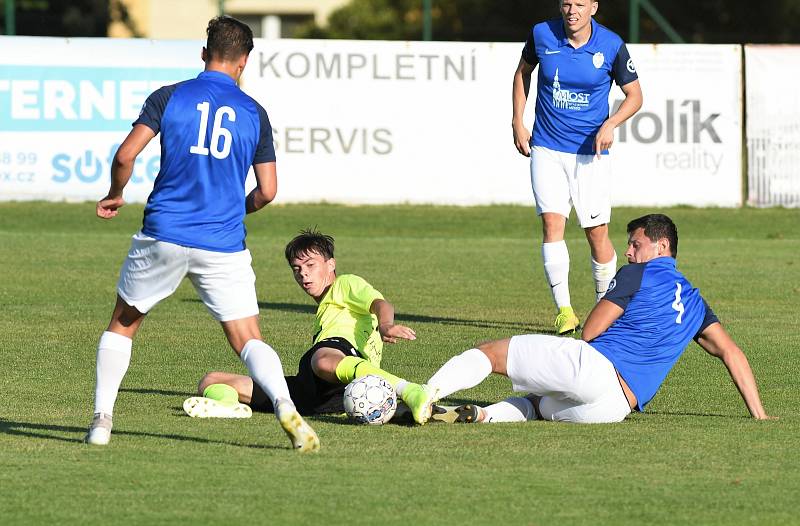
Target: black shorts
{"points": [[310, 394]]}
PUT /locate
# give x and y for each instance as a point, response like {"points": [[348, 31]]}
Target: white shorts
{"points": [[576, 383], [154, 269], [563, 180]]}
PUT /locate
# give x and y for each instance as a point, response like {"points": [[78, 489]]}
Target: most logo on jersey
{"points": [[568, 100]]}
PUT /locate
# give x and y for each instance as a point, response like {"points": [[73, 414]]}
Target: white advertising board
{"points": [[773, 125], [365, 122], [66, 104], [685, 145]]}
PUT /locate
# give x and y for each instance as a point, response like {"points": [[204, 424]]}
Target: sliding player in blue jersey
{"points": [[578, 59], [631, 340], [211, 134]]}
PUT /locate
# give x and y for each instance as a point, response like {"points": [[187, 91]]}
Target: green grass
{"points": [[457, 276]]}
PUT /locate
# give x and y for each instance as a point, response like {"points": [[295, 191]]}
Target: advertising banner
{"points": [[685, 145], [66, 104], [366, 122], [773, 126]]}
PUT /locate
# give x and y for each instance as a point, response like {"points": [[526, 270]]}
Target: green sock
{"points": [[351, 368]]}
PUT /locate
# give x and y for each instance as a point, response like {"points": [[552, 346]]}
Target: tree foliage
{"points": [[697, 21]]}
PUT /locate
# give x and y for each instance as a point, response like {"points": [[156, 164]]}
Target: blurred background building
{"points": [[170, 19], [651, 21]]}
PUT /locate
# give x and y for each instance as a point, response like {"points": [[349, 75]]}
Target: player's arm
{"points": [[122, 168], [633, 101], [389, 331], [266, 187], [624, 74], [716, 341], [519, 96], [602, 316]]}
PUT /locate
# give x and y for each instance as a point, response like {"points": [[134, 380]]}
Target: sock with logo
{"points": [[603, 273], [556, 267], [516, 409]]}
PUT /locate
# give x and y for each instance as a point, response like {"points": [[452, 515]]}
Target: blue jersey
{"points": [[573, 84], [662, 313], [211, 133]]}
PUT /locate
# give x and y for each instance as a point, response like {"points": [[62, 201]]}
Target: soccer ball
{"points": [[370, 400]]}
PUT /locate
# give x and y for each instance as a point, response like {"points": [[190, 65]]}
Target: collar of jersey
{"points": [[589, 47], [665, 260], [216, 75]]}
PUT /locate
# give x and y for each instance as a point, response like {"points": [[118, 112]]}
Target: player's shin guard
{"points": [[603, 273], [352, 367], [556, 268], [265, 369], [113, 358], [463, 371]]}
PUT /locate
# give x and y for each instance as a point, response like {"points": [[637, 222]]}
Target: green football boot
{"points": [[566, 321]]}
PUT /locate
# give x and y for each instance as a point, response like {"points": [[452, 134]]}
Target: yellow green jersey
{"points": [[344, 312]]}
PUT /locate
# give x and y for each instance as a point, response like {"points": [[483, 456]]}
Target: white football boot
{"points": [[100, 430], [202, 407]]}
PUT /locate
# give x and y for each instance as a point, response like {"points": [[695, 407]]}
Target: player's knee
{"points": [[597, 233], [497, 352], [209, 379]]}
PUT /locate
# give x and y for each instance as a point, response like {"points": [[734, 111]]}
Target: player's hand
{"points": [[108, 207], [390, 333], [522, 139], [766, 417], [604, 138]]}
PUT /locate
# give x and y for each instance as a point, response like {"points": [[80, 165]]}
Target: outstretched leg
{"points": [[265, 369], [113, 359]]}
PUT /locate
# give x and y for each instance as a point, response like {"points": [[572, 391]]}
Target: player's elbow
{"points": [[125, 157], [267, 195]]}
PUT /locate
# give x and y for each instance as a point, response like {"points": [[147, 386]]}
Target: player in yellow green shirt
{"points": [[353, 321]]}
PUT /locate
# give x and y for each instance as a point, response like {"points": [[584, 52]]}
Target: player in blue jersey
{"points": [[632, 338], [578, 60], [211, 134]]}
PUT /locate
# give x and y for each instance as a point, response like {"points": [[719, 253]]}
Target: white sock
{"points": [[603, 273], [515, 409], [113, 358], [463, 371], [265, 369], [556, 269]]}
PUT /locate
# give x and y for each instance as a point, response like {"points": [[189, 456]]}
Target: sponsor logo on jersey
{"points": [[630, 66], [566, 99]]}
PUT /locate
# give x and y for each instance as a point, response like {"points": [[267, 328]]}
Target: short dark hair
{"points": [[657, 226], [310, 240], [228, 38]]}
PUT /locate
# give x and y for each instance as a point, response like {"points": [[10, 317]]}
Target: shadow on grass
{"points": [[155, 392], [36, 430], [517, 327], [687, 413]]}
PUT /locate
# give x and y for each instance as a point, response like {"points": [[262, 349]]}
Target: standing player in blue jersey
{"points": [[578, 59], [211, 134], [632, 338]]}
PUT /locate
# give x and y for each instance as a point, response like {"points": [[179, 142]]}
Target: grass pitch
{"points": [[457, 276]]}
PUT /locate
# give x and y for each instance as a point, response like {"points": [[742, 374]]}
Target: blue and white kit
{"points": [[211, 133], [573, 84], [663, 312]]}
